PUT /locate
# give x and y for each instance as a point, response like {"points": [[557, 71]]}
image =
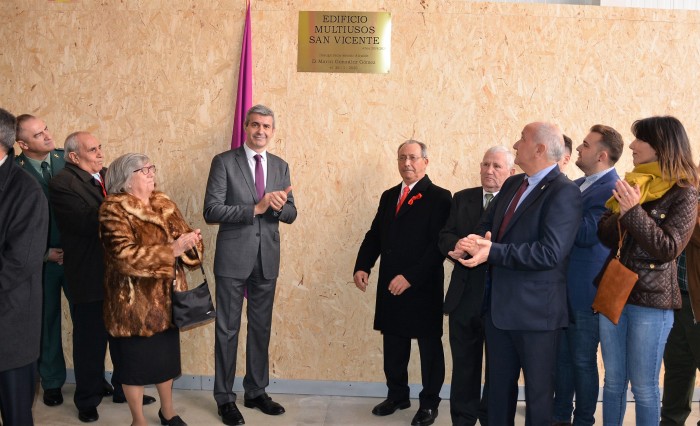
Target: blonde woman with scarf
{"points": [[655, 206]]}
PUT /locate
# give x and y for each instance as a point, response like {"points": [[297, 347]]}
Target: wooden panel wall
{"points": [[158, 77]]}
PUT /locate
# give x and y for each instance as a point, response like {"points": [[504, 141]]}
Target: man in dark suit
{"points": [[410, 287], [24, 225], [527, 234], [248, 195], [42, 160], [464, 299], [577, 361], [75, 194]]}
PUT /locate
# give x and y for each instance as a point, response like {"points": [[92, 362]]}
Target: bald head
{"points": [[540, 145]]}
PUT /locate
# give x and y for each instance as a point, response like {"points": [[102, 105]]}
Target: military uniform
{"points": [[52, 365]]}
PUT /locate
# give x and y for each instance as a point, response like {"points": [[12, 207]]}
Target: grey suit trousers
{"points": [[229, 307]]}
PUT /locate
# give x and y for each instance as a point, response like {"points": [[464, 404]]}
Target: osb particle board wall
{"points": [[158, 77]]}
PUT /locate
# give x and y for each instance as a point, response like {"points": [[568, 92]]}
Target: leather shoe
{"points": [[388, 406], [88, 415], [120, 399], [424, 417], [230, 415], [107, 389], [265, 404], [53, 397], [173, 421]]}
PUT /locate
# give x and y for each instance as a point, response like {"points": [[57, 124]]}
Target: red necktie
{"points": [[404, 194], [511, 209], [259, 177], [102, 185]]}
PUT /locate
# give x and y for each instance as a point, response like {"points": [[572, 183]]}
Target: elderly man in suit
{"points": [[42, 160], [248, 195], [464, 299], [404, 233], [24, 225], [526, 237], [75, 194], [577, 361]]}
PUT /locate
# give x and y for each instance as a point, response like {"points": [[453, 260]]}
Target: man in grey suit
{"points": [[248, 195]]}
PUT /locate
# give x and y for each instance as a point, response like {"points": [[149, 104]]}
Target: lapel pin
{"points": [[55, 155]]}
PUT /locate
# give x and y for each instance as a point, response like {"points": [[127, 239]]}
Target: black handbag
{"points": [[192, 308]]}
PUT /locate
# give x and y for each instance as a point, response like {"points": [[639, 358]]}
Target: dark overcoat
{"points": [[408, 246], [24, 224]]}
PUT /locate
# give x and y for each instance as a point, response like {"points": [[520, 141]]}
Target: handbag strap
{"points": [[201, 266], [622, 237]]}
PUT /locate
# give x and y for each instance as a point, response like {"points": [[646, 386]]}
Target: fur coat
{"points": [[139, 262]]}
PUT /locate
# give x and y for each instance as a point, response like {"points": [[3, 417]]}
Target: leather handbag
{"points": [[615, 286], [194, 307]]}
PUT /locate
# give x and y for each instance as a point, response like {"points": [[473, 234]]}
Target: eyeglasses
{"points": [[146, 170], [411, 158]]}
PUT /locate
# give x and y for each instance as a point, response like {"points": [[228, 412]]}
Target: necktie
{"points": [[102, 185], [45, 173], [259, 177], [404, 194], [487, 199], [511, 209]]}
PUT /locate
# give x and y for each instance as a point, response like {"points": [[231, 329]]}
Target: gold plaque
{"points": [[355, 42]]}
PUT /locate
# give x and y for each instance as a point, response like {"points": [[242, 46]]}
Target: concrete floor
{"points": [[199, 408]]}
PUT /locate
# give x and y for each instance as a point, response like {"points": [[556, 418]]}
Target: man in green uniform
{"points": [[42, 160]]}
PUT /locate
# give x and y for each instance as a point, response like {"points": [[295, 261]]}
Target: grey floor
{"points": [[198, 408]]}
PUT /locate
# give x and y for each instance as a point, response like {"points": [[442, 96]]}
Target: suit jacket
{"points": [[528, 265], [57, 164], [466, 210], [407, 244], [230, 201], [588, 255], [24, 224], [75, 198]]}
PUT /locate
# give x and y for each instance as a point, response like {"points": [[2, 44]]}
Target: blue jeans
{"points": [[577, 370], [632, 352]]}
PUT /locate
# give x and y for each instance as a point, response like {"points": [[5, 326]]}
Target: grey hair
{"points": [[7, 130], [121, 171], [423, 147], [260, 110], [500, 149], [551, 137], [71, 143]]}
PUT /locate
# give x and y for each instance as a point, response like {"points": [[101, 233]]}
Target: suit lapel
{"points": [[533, 196], [57, 163], [242, 163], [419, 188]]}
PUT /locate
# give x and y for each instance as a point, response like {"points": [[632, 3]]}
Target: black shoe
{"points": [[107, 389], [389, 407], [424, 417], [230, 414], [173, 421], [265, 404], [88, 415], [53, 397], [121, 398]]}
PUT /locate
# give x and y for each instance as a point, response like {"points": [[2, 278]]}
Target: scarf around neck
{"points": [[648, 178]]}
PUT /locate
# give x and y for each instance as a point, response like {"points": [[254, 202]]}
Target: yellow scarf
{"points": [[647, 177]]}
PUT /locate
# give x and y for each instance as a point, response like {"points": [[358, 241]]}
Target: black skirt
{"points": [[150, 360]]}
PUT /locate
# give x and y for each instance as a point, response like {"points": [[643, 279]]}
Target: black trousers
{"points": [[17, 387], [397, 352], [467, 405], [89, 349]]}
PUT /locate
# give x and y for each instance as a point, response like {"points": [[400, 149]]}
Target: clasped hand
{"points": [[275, 200], [626, 195], [186, 242], [473, 245]]}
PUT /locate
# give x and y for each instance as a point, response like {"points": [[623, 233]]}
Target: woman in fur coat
{"points": [[143, 233]]}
